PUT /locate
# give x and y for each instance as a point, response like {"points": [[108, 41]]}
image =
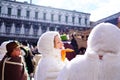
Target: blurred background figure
{"points": [[28, 58], [67, 44], [74, 44], [118, 24]]}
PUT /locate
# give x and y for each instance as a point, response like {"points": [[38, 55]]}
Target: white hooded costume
{"points": [[102, 57], [50, 64]]}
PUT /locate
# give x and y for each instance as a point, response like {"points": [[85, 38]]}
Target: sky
{"points": [[98, 9]]}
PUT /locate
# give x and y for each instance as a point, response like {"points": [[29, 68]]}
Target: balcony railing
{"points": [[19, 35], [40, 20]]}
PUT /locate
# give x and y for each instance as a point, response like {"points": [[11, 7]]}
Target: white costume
{"points": [[104, 41], [50, 64]]}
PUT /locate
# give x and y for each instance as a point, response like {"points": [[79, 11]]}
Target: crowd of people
{"points": [[59, 59]]}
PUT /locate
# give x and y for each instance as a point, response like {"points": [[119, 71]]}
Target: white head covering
{"points": [[45, 43], [104, 38], [3, 49]]}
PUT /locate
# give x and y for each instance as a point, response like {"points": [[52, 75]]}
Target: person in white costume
{"points": [[102, 57], [49, 45]]}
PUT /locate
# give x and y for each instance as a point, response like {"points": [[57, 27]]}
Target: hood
{"points": [[3, 47], [3, 50], [45, 43], [104, 38]]}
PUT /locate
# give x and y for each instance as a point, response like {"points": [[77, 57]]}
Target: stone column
{"points": [[48, 29], [39, 31], [22, 31], [83, 20], [2, 28], [13, 29], [31, 30], [56, 28]]}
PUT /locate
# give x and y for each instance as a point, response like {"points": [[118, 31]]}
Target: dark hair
{"points": [[24, 43]]}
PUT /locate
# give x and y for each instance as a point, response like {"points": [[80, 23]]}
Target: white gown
{"points": [[103, 40], [50, 64]]}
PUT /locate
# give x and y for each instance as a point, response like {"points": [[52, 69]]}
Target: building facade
{"points": [[23, 21], [114, 19]]}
